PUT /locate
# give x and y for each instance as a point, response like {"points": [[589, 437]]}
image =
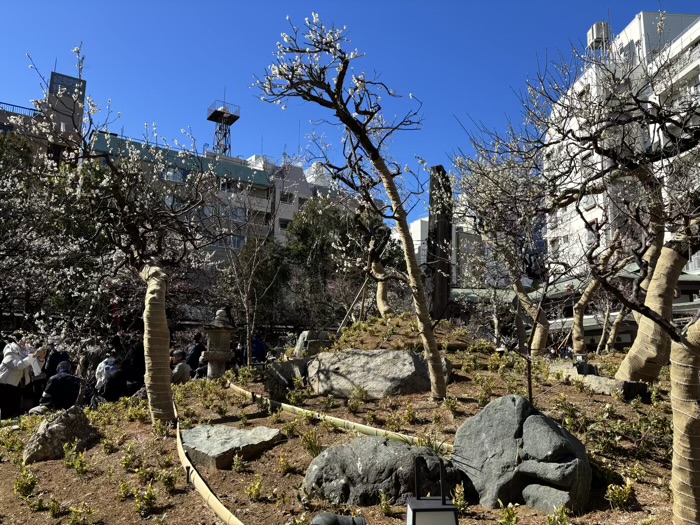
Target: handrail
{"points": [[19, 110]]}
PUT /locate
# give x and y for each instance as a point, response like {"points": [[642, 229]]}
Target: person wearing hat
{"points": [[17, 361], [181, 370], [63, 390]]}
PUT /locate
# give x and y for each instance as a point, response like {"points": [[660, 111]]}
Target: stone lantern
{"points": [[218, 351]]}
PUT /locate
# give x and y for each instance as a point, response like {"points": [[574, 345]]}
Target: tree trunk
{"points": [[604, 333], [382, 290], [156, 345], [586, 296], [612, 337], [651, 348], [438, 388], [536, 313], [685, 393], [579, 311]]}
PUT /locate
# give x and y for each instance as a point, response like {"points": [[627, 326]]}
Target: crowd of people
{"points": [[39, 376]]}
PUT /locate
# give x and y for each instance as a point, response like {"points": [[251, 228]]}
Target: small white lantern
{"points": [[430, 511]]}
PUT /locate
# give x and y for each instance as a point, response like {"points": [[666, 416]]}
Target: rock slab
{"points": [[598, 384], [215, 446], [513, 453], [357, 473], [280, 376], [380, 373], [66, 426]]}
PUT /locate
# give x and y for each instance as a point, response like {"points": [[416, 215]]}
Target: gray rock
{"points": [[215, 446], [356, 473], [607, 386], [393, 372], [280, 375], [311, 342], [326, 518], [544, 498], [510, 446], [66, 426]]}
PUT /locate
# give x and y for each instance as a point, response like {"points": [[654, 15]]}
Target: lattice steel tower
{"points": [[223, 114]]}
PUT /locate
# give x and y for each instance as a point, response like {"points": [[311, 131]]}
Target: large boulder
{"points": [[513, 453], [215, 446], [66, 426], [280, 375], [358, 472], [380, 372]]}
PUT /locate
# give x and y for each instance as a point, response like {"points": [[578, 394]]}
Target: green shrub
{"points": [[621, 496], [25, 483]]}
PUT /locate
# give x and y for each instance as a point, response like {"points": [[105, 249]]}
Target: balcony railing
{"points": [[18, 110]]}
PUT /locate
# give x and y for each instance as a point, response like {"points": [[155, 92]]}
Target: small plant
{"points": [[384, 504], [635, 472], [276, 416], [409, 414], [145, 501], [125, 490], [80, 515], [146, 475], [254, 490], [459, 500], [246, 374], [329, 402], [169, 479], [285, 466], [160, 429], [131, 461], [56, 510], [37, 504], [393, 422], [74, 459], [289, 429], [621, 496], [360, 394], [371, 418], [354, 406], [430, 441], [311, 441], [451, 404], [509, 514], [239, 465], [243, 421], [25, 483], [485, 384], [308, 418], [560, 517], [109, 446]]}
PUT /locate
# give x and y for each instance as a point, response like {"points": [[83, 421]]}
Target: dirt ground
{"points": [[626, 440]]}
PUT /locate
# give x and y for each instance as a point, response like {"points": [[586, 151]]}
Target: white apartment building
{"points": [[649, 40]]}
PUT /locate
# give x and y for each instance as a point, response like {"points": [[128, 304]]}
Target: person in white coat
{"points": [[17, 362]]}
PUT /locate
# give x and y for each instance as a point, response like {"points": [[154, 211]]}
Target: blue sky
{"points": [[165, 62]]}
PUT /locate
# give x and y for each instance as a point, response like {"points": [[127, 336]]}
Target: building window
{"points": [[175, 175], [235, 242], [287, 197], [302, 201], [234, 213], [284, 224]]}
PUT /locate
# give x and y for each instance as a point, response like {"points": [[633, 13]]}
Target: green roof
{"points": [[221, 166]]}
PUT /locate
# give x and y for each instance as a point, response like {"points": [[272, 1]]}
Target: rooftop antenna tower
{"points": [[223, 115]]}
